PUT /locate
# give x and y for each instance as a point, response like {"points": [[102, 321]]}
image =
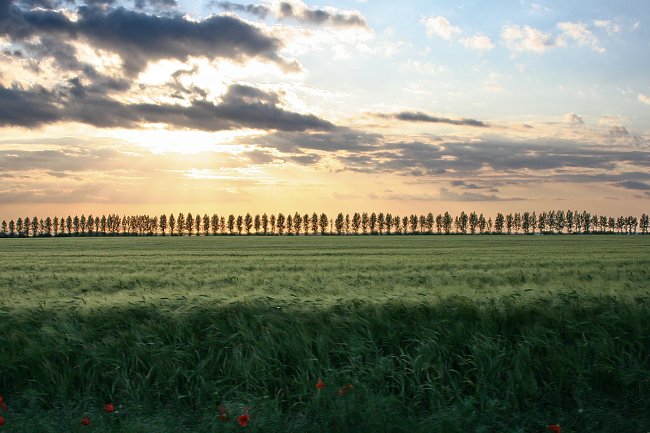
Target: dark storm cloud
{"points": [[27, 108], [334, 139], [140, 38], [259, 11], [304, 15], [465, 185], [156, 4], [547, 160], [445, 194], [631, 184], [241, 107], [416, 116]]}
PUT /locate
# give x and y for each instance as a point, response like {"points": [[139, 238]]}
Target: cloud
{"points": [[529, 39], [447, 195], [608, 25], [580, 34], [120, 31], [631, 184], [440, 26], [495, 158], [335, 139], [300, 12], [478, 42], [526, 38], [259, 11], [240, 107], [416, 116], [618, 131], [422, 67], [465, 185], [645, 99], [573, 119]]}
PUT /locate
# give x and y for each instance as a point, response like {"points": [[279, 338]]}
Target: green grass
{"points": [[437, 333]]}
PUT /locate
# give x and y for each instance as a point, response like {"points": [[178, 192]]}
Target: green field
{"points": [[436, 333]]}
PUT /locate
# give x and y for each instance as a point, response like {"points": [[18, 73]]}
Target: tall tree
{"points": [[446, 223], [498, 223], [12, 228], [509, 223], [68, 224], [280, 223], [305, 224], [265, 223], [373, 223], [323, 223], [172, 224], [356, 223], [189, 224], [525, 222], [389, 223], [314, 223], [365, 222], [517, 222], [214, 224], [197, 224], [257, 222], [5, 228], [180, 224], [462, 220], [482, 224], [413, 222], [289, 224], [473, 222], [248, 223], [27, 226], [240, 224], [231, 224], [48, 226], [273, 223], [162, 221], [297, 222], [338, 224], [644, 223]]}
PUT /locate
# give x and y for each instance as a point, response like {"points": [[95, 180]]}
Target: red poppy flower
{"points": [[555, 428], [2, 420], [320, 384], [109, 408], [243, 419], [85, 421]]}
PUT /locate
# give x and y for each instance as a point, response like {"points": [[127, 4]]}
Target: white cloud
{"points": [[440, 26], [573, 119], [526, 38], [608, 25], [422, 67], [478, 42], [580, 34], [644, 98]]}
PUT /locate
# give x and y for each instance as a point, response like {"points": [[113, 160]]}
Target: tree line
{"points": [[551, 222]]}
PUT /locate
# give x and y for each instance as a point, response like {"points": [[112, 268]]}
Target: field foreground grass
{"points": [[436, 334]]}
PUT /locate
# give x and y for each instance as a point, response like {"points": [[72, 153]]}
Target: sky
{"points": [[160, 106]]}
